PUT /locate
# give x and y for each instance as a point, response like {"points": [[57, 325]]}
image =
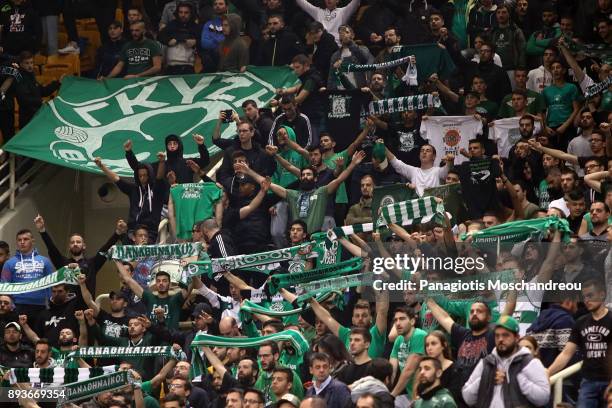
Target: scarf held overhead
{"points": [[417, 211], [402, 104], [57, 375], [129, 253], [87, 389]]}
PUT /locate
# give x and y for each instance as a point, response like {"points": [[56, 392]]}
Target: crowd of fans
{"points": [[524, 93]]}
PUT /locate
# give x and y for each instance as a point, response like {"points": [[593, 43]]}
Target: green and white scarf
{"points": [[87, 389], [62, 275], [249, 307], [217, 265], [410, 212], [341, 232], [520, 231], [123, 352], [129, 253], [349, 67], [287, 280], [334, 284], [297, 340], [602, 52], [57, 375], [402, 104]]}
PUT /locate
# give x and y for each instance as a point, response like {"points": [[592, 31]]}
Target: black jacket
{"points": [[146, 201], [258, 160], [58, 317], [174, 161], [280, 48], [107, 56], [89, 266], [498, 83], [325, 48], [300, 125], [179, 31], [29, 95], [22, 358]]}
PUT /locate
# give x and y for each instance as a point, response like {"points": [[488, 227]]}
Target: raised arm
{"points": [[276, 189], [273, 151], [559, 154], [214, 361], [445, 90], [257, 200], [129, 155], [440, 315], [171, 216], [165, 370], [571, 61], [294, 146], [30, 334], [87, 298], [112, 176], [83, 337], [359, 139], [326, 317], [129, 281], [593, 180], [335, 183]]}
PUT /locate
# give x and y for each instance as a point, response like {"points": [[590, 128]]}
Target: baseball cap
{"points": [[508, 323], [14, 325], [117, 294], [290, 398], [201, 307]]}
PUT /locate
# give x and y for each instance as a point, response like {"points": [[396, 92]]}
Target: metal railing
{"points": [[557, 381], [16, 176]]}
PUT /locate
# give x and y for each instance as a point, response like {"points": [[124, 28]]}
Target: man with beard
{"points": [[195, 397], [361, 212], [90, 266], [408, 348], [377, 86], [392, 40], [569, 183], [592, 333], [13, 353], [308, 203], [431, 393], [508, 377], [359, 344], [260, 120], [163, 306], [140, 57], [281, 44], [269, 355], [7, 314], [471, 344], [42, 355], [598, 146], [137, 336], [352, 53], [320, 47], [181, 37], [113, 324]]}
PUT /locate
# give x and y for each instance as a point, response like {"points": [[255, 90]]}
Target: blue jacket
{"points": [[26, 268], [552, 330], [212, 34], [336, 394]]}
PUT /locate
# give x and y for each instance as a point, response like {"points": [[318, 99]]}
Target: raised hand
{"points": [[98, 161], [161, 156], [199, 139], [39, 222], [194, 166], [265, 184], [127, 146], [358, 157], [23, 320], [121, 227], [80, 315], [271, 150]]}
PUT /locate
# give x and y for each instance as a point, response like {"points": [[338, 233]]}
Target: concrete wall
{"points": [[68, 201]]}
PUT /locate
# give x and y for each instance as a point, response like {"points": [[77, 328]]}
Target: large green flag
{"points": [[387, 195], [92, 118]]}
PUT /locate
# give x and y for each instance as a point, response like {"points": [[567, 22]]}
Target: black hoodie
{"points": [[146, 201], [175, 161]]}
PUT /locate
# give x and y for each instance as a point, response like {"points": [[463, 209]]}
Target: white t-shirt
{"points": [[450, 134], [331, 20], [528, 306], [538, 79], [506, 133], [422, 179]]}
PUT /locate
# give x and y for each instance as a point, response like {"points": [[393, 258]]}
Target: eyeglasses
{"points": [[175, 386]]}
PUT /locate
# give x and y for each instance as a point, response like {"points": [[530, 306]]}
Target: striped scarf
{"points": [[602, 52], [297, 340], [339, 283], [57, 375], [88, 388], [122, 352], [349, 67], [402, 104], [249, 307], [129, 253], [598, 88], [417, 211], [341, 232], [287, 280]]}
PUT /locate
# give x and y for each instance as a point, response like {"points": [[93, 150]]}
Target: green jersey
{"points": [[377, 345], [402, 348], [341, 196], [264, 384], [193, 202], [535, 105], [284, 177], [308, 207], [171, 305]]}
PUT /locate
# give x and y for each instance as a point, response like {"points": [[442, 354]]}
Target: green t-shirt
{"points": [[535, 105], [308, 207], [377, 345], [284, 177], [485, 108], [293, 361], [193, 202], [341, 196], [147, 390], [587, 218], [171, 305], [60, 358], [402, 348], [559, 101], [138, 56]]}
